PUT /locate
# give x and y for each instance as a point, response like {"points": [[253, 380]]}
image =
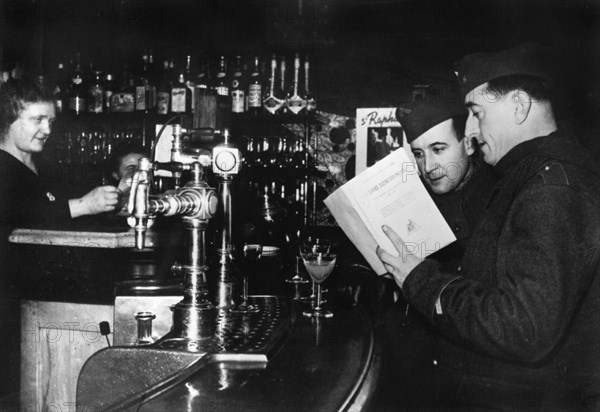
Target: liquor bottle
{"points": [[141, 98], [124, 99], [163, 94], [181, 97], [60, 90], [254, 95], [221, 84], [77, 91], [238, 88], [202, 80], [311, 103], [272, 102], [151, 84], [295, 102], [283, 95], [96, 94], [109, 89], [190, 80]]}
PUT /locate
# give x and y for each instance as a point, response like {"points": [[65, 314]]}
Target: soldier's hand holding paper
{"points": [[398, 266]]}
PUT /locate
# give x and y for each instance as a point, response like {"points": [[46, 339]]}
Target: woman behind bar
{"points": [[26, 116]]}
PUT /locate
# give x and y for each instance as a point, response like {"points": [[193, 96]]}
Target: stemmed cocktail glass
{"points": [[319, 260]]}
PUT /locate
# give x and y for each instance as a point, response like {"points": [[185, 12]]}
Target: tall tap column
{"points": [[194, 317], [226, 164]]}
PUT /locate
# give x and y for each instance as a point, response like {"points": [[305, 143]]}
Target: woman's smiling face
{"points": [[29, 132]]}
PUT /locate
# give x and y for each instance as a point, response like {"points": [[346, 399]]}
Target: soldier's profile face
{"points": [[491, 123]]}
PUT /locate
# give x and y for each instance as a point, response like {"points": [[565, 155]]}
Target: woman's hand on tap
{"points": [[99, 200]]}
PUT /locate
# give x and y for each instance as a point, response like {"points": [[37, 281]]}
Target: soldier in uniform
{"points": [[460, 184], [521, 320]]}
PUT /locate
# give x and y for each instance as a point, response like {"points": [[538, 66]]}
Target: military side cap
{"points": [[418, 117], [529, 59]]}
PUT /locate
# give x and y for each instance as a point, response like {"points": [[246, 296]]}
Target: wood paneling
{"points": [[57, 338]]}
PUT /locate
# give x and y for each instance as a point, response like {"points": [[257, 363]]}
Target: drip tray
{"points": [[251, 336]]}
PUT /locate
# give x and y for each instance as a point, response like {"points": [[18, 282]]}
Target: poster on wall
{"points": [[378, 133]]}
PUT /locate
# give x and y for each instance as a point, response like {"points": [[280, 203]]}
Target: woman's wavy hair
{"points": [[14, 96]]}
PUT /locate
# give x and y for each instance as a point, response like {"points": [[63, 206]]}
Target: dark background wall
{"points": [[365, 52]]}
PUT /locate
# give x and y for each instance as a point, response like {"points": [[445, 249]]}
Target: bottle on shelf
{"points": [[238, 88], [77, 91], [109, 89], [190, 81], [272, 102], [150, 75], [124, 99], [96, 94], [202, 78], [221, 84], [311, 103], [181, 96], [295, 103], [141, 81], [163, 93], [254, 94], [60, 89]]}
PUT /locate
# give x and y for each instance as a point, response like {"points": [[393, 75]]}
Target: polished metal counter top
{"points": [[277, 360]]}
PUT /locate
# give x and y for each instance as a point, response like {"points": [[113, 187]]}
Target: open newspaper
{"points": [[389, 192]]}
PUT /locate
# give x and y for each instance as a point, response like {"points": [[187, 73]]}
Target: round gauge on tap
{"points": [[225, 161]]}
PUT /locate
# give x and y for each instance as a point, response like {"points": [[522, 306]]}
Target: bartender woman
{"points": [[26, 116]]}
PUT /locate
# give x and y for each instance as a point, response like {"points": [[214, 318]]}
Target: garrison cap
{"points": [[418, 117], [529, 59]]}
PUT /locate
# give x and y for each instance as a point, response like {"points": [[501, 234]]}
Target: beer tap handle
{"points": [[138, 205], [135, 181], [141, 215]]}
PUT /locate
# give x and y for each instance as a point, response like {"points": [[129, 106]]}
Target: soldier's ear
{"points": [[469, 144], [522, 105]]}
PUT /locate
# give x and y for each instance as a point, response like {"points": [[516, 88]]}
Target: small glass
{"points": [[144, 324], [319, 261], [251, 253]]}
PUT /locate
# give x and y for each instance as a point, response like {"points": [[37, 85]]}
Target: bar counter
{"points": [[274, 360]]}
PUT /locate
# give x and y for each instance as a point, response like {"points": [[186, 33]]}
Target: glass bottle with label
{"points": [[221, 84], [96, 94], [61, 86], [163, 94], [124, 99], [254, 95], [181, 96], [77, 91], [238, 88], [141, 102], [295, 102], [272, 103], [109, 89], [150, 75]]}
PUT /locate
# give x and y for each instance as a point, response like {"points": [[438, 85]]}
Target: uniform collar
{"points": [[521, 151]]}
